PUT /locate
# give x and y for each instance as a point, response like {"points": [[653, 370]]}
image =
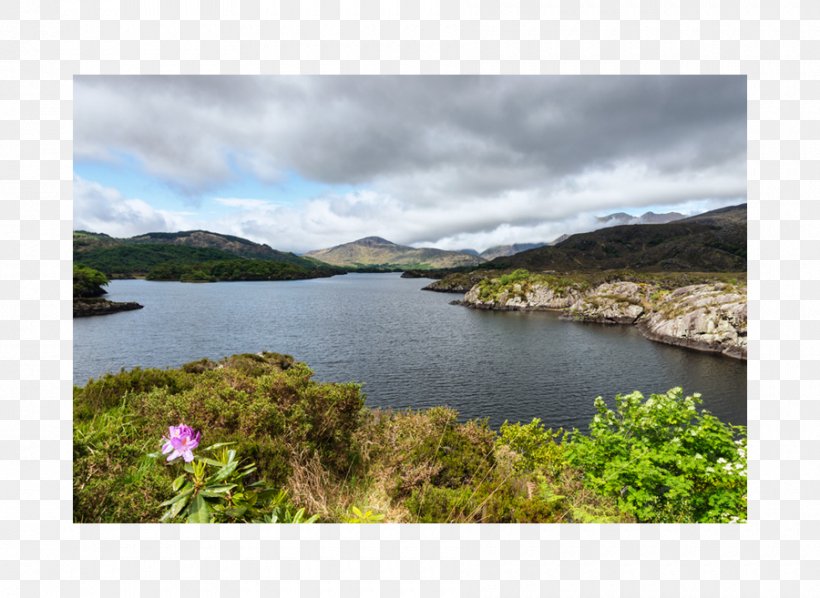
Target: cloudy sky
{"points": [[453, 162]]}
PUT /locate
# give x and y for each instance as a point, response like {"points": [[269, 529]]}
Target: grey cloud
{"points": [[433, 146], [356, 129]]}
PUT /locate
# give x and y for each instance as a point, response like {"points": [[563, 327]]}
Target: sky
{"points": [[454, 162]]}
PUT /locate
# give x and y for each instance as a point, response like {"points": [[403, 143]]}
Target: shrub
{"points": [[663, 460], [538, 448], [88, 282], [276, 414]]}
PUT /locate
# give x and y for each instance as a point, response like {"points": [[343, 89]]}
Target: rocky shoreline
{"points": [[85, 307], [708, 317], [456, 283]]}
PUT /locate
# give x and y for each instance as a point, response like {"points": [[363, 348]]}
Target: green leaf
{"points": [[184, 494], [178, 483], [224, 472], [213, 447], [175, 510], [213, 491], [199, 511]]}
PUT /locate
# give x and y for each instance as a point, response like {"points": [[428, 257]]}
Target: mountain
{"points": [[194, 255], [646, 218], [228, 243], [504, 250], [618, 218], [711, 242], [376, 252]]}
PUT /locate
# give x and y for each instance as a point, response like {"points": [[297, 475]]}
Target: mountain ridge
{"points": [[713, 241], [379, 253]]}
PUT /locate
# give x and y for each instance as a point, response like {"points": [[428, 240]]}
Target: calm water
{"points": [[409, 348]]}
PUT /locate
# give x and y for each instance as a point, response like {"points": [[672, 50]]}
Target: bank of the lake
{"points": [[700, 311]]}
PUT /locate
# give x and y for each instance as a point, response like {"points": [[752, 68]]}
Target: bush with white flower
{"points": [[664, 460]]}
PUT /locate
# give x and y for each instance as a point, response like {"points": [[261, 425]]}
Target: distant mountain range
{"points": [[615, 219], [379, 253], [714, 241], [710, 242], [504, 250]]}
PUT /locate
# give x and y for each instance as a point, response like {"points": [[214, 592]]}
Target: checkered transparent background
{"points": [[43, 44]]}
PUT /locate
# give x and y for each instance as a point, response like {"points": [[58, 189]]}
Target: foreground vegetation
{"points": [[278, 446]]}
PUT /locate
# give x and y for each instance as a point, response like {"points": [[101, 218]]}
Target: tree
{"points": [[88, 282]]}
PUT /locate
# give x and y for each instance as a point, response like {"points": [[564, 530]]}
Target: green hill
{"points": [[191, 256]]}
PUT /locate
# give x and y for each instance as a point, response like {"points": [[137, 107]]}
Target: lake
{"points": [[409, 348]]}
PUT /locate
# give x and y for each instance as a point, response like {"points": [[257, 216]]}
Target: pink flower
{"points": [[180, 441]]}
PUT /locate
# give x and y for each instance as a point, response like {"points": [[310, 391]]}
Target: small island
{"points": [[88, 291]]}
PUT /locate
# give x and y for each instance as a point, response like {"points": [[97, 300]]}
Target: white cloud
{"points": [[98, 208]]}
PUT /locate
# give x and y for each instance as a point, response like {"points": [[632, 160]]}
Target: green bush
{"points": [[88, 282], [663, 460], [539, 449], [431, 504], [274, 412], [519, 275]]}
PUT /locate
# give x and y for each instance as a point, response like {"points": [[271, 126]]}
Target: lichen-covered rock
{"points": [[523, 297], [709, 317], [611, 303]]}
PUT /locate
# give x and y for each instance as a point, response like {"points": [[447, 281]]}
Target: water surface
{"points": [[409, 348]]}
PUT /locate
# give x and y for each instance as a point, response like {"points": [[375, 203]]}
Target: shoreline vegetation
{"points": [[87, 295], [655, 459], [702, 311]]}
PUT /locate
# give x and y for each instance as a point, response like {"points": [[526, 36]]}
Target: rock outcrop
{"points": [[611, 303], [707, 317], [522, 297], [83, 308]]}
